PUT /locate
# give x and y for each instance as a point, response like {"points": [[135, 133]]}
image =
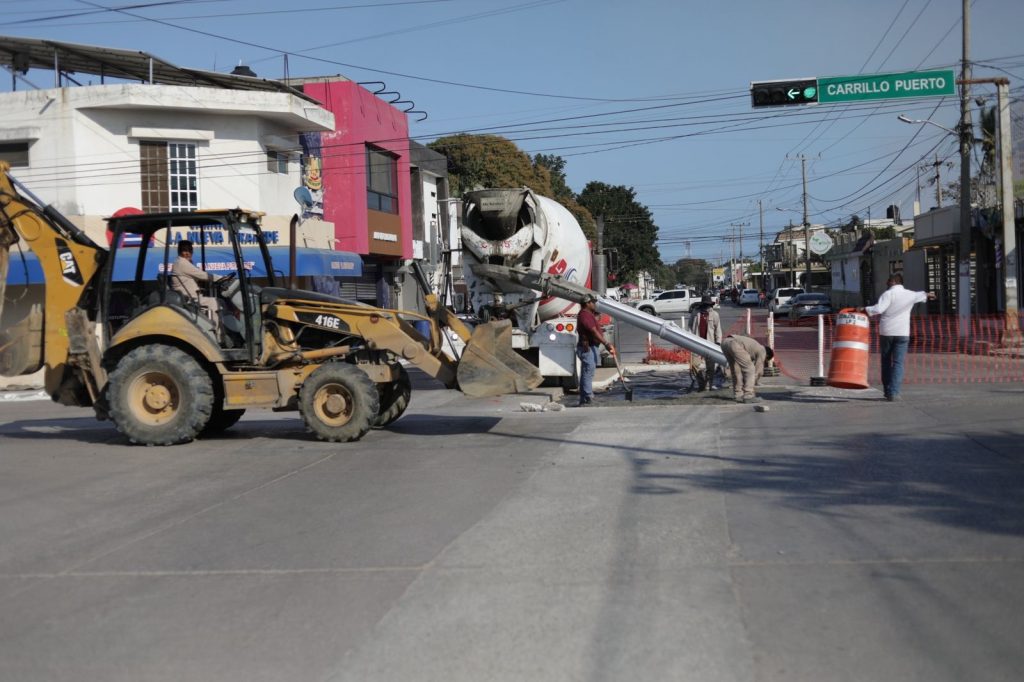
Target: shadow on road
{"points": [[953, 479]]}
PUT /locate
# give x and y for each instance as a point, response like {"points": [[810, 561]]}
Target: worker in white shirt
{"points": [[894, 307]]}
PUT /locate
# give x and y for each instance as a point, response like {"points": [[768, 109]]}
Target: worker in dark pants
{"points": [[747, 359], [591, 338]]}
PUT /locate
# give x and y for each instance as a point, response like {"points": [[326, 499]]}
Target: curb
{"points": [[22, 396]]}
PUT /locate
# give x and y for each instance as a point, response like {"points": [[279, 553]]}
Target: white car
{"points": [[670, 303], [749, 297], [781, 299]]}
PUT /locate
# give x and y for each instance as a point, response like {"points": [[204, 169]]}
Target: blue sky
{"points": [[632, 93]]}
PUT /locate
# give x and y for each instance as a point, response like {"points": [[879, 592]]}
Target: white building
{"points": [[226, 141]]}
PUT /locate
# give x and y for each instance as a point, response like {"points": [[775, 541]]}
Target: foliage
{"points": [[490, 161], [484, 161], [554, 165], [693, 272], [628, 228]]}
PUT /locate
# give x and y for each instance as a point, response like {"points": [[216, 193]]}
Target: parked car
{"points": [[749, 297], [670, 303], [809, 306], [781, 298]]}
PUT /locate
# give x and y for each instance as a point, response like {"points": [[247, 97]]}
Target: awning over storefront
{"points": [[24, 266]]}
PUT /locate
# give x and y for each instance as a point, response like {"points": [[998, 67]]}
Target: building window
{"points": [[277, 162], [381, 181], [169, 176], [14, 153]]}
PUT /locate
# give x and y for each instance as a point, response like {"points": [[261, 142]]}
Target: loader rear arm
{"points": [[69, 260]]}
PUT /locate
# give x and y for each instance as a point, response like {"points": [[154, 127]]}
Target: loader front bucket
{"points": [[490, 367], [21, 345]]}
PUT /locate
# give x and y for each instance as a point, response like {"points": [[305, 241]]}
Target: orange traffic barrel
{"points": [[851, 346]]}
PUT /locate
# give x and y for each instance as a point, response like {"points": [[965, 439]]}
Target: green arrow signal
{"points": [[792, 93]]}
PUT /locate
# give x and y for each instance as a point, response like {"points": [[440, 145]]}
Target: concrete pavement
{"points": [[836, 537]]}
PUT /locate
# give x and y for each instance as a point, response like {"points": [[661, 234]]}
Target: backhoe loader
{"points": [[114, 333]]}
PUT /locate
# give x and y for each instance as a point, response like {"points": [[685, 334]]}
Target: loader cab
{"points": [[139, 272]]}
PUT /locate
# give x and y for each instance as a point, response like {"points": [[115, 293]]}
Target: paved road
{"points": [[836, 537]]}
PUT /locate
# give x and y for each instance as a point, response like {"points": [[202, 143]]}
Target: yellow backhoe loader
{"points": [[114, 333]]}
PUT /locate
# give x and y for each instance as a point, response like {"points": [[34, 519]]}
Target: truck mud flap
{"points": [[21, 345], [490, 367]]}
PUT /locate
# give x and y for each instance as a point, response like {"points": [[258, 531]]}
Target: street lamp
{"points": [[905, 119]]}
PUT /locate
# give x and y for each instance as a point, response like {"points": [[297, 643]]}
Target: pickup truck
{"points": [[670, 303]]}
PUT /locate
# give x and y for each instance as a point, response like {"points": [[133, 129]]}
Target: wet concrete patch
{"points": [[672, 388]]}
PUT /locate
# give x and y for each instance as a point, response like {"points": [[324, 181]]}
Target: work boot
{"points": [[752, 401]]}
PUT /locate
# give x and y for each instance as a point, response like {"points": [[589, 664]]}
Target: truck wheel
{"points": [[394, 399], [159, 395], [338, 402], [220, 421], [647, 309]]}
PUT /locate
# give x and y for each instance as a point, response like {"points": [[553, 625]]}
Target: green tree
{"points": [[693, 272], [628, 228], [481, 161], [484, 161], [554, 165]]}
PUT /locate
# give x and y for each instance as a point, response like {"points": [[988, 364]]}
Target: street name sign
{"points": [[886, 86]]}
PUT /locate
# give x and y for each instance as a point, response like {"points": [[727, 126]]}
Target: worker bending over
{"points": [[747, 359]]}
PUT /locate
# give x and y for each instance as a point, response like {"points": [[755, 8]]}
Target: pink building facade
{"points": [[357, 177]]}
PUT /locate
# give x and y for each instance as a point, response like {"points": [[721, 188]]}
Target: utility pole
{"points": [[963, 296], [791, 256], [1008, 262], [807, 225], [600, 278], [760, 243], [740, 227]]}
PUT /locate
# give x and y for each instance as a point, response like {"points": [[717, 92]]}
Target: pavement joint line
{"points": [[178, 522], [240, 571], [880, 562], [432, 564]]}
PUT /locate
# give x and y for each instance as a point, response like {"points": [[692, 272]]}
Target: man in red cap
{"points": [[588, 348]]}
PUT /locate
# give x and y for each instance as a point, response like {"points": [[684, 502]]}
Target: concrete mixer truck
{"points": [[519, 228]]}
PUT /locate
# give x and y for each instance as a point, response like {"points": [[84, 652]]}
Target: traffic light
{"points": [[783, 93]]}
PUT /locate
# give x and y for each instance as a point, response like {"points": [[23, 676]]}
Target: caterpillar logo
{"points": [[68, 267]]}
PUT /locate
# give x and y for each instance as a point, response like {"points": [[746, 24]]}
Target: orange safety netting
{"points": [[990, 350]]}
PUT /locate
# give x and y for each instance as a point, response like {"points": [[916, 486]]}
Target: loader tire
{"points": [[338, 402], [394, 399], [220, 421], [159, 395]]}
